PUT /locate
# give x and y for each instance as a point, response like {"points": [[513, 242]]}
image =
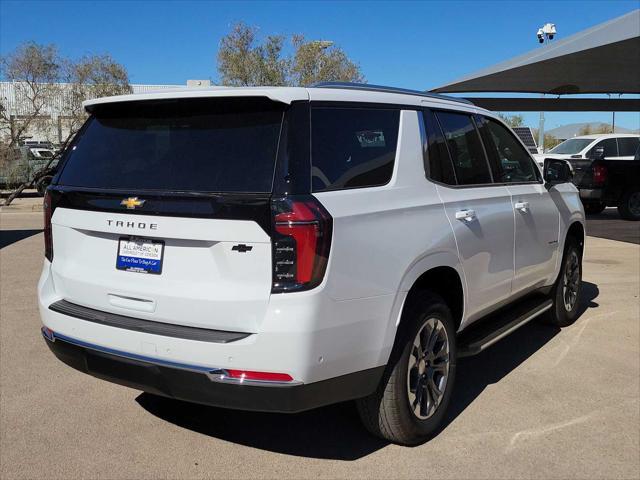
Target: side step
{"points": [[499, 325]]}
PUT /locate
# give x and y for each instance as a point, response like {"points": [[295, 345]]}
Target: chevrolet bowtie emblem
{"points": [[132, 202]]}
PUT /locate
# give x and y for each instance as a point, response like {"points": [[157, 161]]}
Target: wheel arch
{"points": [[445, 282], [576, 232], [440, 273]]}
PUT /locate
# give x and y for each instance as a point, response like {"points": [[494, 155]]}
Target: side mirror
{"points": [[597, 153], [557, 171]]}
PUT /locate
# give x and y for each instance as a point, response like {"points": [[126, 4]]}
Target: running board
{"points": [[499, 325]]}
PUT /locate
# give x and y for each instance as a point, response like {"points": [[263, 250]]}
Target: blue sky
{"points": [[410, 44]]}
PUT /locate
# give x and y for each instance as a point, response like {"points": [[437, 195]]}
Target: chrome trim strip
{"points": [[218, 375]]}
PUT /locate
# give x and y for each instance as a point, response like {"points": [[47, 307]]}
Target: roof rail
{"points": [[382, 88]]}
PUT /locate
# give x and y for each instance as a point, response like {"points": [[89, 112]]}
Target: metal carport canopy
{"points": [[601, 59]]}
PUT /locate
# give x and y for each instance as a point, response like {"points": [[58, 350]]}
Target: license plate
{"points": [[141, 255]]}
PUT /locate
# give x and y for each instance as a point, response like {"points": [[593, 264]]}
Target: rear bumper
{"points": [[591, 193], [198, 384]]}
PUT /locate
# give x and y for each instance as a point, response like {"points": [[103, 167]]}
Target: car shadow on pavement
{"points": [[476, 373], [7, 237], [332, 432], [335, 431]]}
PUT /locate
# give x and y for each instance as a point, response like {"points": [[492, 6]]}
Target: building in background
{"points": [[51, 125]]}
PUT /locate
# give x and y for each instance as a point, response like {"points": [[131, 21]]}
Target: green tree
{"points": [[586, 130], [550, 141], [603, 128], [318, 61], [245, 60], [512, 120]]}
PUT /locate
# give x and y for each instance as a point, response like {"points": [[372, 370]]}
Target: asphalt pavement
{"points": [[608, 224], [542, 403]]}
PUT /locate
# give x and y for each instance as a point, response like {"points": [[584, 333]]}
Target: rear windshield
{"points": [[205, 145]]}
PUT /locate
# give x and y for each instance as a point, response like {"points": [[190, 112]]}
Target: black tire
{"points": [[560, 314], [629, 206], [387, 413], [593, 208]]}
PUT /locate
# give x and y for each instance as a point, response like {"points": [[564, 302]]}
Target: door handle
{"points": [[466, 215], [522, 206]]}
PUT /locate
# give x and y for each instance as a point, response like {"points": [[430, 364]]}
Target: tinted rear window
{"points": [[206, 145], [352, 147], [465, 148], [440, 167], [627, 146]]}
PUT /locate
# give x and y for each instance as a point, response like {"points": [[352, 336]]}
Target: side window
{"points": [[627, 146], [513, 162], [352, 147], [437, 161], [465, 148], [610, 148]]}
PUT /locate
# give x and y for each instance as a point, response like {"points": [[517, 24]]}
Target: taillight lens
{"points": [[47, 208], [599, 174], [301, 243]]}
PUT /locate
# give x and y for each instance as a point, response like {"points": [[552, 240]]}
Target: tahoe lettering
{"points": [[130, 224]]}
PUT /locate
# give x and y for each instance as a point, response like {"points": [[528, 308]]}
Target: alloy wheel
{"points": [[571, 281], [428, 368]]}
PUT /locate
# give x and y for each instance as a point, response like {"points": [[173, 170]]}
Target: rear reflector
{"points": [[261, 376]]}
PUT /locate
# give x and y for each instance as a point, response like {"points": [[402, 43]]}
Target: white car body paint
{"points": [[384, 239]]}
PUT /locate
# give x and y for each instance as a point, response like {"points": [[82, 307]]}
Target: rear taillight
{"points": [[599, 174], [47, 208], [301, 243]]}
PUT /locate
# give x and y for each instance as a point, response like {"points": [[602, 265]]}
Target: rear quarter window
{"points": [[352, 147]]}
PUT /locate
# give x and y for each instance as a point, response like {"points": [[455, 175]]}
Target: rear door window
{"points": [[204, 145], [627, 146], [437, 161], [464, 145], [352, 147]]}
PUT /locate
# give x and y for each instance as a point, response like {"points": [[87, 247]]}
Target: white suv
{"points": [[279, 249]]}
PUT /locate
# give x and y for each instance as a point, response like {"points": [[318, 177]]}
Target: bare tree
{"points": [[245, 61], [90, 77], [43, 79], [35, 71]]}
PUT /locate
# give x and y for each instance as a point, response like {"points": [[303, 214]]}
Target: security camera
{"points": [[549, 30]]}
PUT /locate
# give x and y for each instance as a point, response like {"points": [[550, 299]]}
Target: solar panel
{"points": [[526, 135]]}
